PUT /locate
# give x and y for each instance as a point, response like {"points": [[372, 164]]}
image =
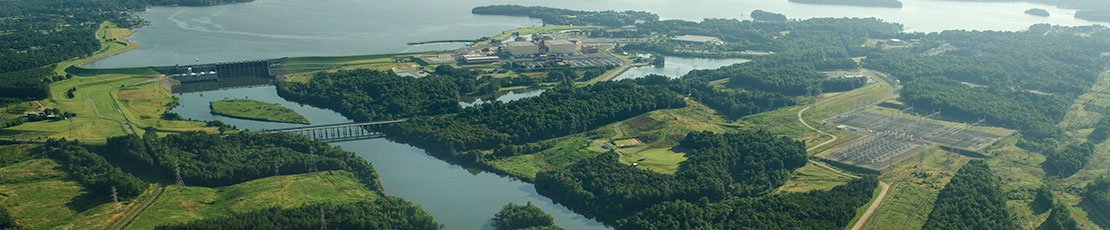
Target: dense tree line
{"points": [[831, 35], [218, 160], [819, 209], [1065, 160], [1101, 132], [1030, 77], [555, 16], [871, 3], [1059, 219], [768, 16], [91, 170], [1034, 114], [520, 217], [1102, 15], [383, 213], [369, 95], [729, 104], [7, 222], [26, 84], [718, 166], [557, 112], [973, 199], [1097, 196]]}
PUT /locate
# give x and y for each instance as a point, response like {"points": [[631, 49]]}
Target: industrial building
{"points": [[479, 59], [562, 46], [699, 39], [522, 48]]}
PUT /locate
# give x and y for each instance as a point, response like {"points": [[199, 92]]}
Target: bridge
{"points": [[340, 132]]}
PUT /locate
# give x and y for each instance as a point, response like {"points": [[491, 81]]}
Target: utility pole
{"points": [[177, 175]]}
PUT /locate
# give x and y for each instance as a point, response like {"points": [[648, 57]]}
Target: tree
{"points": [[972, 200], [513, 217]]}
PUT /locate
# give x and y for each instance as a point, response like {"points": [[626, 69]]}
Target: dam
{"points": [[215, 71]]}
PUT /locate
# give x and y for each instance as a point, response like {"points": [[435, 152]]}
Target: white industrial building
{"points": [[521, 48], [562, 46]]}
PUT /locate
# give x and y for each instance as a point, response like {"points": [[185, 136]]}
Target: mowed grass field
{"points": [[257, 110], [96, 117], [183, 204]]}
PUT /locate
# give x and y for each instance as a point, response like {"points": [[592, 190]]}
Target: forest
{"points": [[6, 220], [555, 16], [972, 200], [1096, 199], [381, 213], [1066, 159], [214, 160], [1101, 132], [91, 170], [370, 95], [521, 217], [768, 16], [729, 104], [560, 111], [725, 169]]}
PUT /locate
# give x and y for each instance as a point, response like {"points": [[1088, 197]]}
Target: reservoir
{"points": [[266, 29], [457, 197]]}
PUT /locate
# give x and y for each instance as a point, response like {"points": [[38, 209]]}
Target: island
{"points": [[256, 110], [1037, 12], [866, 3], [766, 16]]}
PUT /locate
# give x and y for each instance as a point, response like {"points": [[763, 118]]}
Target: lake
{"points": [[282, 28], [457, 197]]}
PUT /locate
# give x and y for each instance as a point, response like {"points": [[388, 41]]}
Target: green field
{"points": [[812, 177], [915, 183], [256, 110], [39, 196], [183, 204]]}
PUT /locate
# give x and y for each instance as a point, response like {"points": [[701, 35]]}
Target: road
{"points": [[874, 205], [885, 186]]}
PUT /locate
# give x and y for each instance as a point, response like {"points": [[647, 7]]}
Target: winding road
{"points": [[885, 186]]}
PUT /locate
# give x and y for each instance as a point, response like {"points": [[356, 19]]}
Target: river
{"points": [[457, 197]]}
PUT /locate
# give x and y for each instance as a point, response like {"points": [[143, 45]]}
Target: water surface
{"points": [[457, 197]]}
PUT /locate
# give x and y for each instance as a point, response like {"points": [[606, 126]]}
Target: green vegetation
{"points": [[718, 166], [870, 3], [1101, 132], [256, 110], [219, 160], [1037, 12], [367, 95], [38, 195], [93, 171], [768, 16], [179, 205], [1059, 219], [973, 200], [557, 112], [1096, 199], [382, 213], [556, 16], [6, 220], [519, 217]]}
